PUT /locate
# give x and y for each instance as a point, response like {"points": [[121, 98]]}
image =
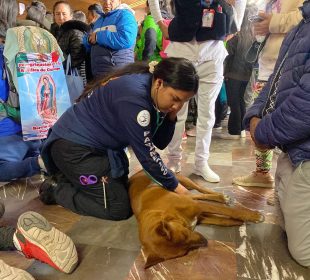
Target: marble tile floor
{"points": [[111, 250]]}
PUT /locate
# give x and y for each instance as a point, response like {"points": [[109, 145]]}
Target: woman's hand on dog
{"points": [[180, 189]]}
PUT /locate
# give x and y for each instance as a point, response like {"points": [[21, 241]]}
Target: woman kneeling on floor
{"points": [[134, 106]]}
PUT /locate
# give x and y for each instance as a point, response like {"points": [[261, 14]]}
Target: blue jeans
{"points": [[18, 158]]}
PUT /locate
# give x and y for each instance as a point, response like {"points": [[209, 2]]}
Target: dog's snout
{"points": [[204, 242], [199, 241]]}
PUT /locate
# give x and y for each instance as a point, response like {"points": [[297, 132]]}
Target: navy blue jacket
{"points": [[7, 125], [118, 115], [287, 123], [187, 23]]}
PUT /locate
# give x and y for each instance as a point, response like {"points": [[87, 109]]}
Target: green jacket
{"points": [[146, 47]]}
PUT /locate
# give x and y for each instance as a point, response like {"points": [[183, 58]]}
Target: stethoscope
{"points": [[159, 120]]}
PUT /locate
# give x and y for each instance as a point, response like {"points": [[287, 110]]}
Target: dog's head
{"points": [[167, 236]]}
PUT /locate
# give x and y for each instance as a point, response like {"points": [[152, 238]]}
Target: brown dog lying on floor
{"points": [[166, 220]]}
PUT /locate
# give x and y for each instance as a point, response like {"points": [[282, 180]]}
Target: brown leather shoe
{"points": [[255, 179]]}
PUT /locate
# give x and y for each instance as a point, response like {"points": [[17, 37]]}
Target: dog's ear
{"points": [[164, 229], [151, 258], [173, 230]]}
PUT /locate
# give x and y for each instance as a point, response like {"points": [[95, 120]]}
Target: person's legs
{"points": [[235, 94], [293, 186], [108, 201], [190, 125], [18, 158], [174, 149], [221, 108], [210, 82], [218, 114], [233, 89], [242, 104], [261, 177]]}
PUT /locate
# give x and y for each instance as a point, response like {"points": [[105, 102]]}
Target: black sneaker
{"points": [[46, 191], [2, 209]]}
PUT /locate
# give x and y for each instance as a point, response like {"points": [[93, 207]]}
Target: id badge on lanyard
{"points": [[208, 17]]}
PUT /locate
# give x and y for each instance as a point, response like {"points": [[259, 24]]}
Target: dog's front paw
{"points": [[261, 217], [229, 200]]}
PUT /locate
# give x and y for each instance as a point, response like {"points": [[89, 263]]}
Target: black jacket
{"points": [[236, 66], [187, 23], [70, 39]]}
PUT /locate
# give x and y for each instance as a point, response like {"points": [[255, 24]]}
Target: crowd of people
{"points": [[138, 83]]}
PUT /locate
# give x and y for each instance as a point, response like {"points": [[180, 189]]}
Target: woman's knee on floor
{"points": [[117, 211], [121, 212]]}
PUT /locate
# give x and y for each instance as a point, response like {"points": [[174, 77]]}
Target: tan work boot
{"points": [[255, 179]]}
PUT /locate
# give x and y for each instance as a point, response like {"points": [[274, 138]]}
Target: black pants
{"points": [[235, 97], [6, 238], [220, 112], [73, 161]]}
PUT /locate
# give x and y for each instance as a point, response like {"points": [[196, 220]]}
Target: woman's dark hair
{"points": [[96, 8], [62, 2], [178, 73], [8, 12]]}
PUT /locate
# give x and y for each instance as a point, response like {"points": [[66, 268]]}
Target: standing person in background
{"points": [[49, 16], [149, 44], [69, 34], [112, 40], [93, 13], [36, 16], [189, 39], [279, 18], [79, 15], [237, 74], [221, 106]]}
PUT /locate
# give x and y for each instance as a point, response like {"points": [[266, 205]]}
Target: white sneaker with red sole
{"points": [[8, 272], [37, 239]]}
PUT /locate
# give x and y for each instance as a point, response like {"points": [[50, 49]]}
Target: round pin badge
{"points": [[143, 118]]}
